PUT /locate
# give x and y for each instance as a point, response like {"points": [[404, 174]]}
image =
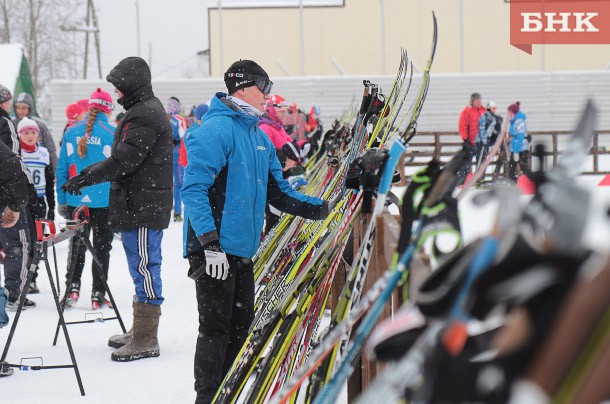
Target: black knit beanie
{"points": [[235, 78]]}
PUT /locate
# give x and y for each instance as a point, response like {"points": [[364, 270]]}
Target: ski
{"points": [[394, 381]]}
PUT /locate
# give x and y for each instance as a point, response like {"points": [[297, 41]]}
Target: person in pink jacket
{"points": [[271, 122]]}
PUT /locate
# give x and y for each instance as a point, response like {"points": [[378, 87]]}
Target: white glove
{"points": [[216, 262]]}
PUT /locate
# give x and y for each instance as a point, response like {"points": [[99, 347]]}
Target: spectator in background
{"points": [[74, 113], [313, 131], [490, 126], [519, 141], [24, 107], [179, 127], [272, 121], [469, 128], [295, 122], [84, 103], [85, 143], [198, 112], [36, 159]]}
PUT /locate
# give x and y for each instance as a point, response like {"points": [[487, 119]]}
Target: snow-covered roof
{"points": [[11, 56]]}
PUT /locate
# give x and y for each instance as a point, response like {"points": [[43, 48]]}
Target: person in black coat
{"points": [[14, 193], [13, 199], [15, 239], [140, 171]]}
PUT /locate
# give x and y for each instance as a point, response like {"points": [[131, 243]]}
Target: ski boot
{"points": [[33, 288], [12, 305], [98, 300], [73, 294]]}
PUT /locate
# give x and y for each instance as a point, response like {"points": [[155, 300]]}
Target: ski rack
{"points": [[74, 228]]}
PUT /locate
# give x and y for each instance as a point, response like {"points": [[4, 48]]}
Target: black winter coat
{"points": [[140, 163], [8, 132], [14, 185]]}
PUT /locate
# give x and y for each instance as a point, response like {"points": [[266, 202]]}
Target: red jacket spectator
{"points": [[469, 122]]}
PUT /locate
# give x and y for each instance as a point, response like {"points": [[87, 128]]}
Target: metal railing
{"points": [[443, 145]]}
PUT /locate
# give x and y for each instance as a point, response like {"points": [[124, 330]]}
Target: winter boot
{"points": [[120, 340], [144, 343]]}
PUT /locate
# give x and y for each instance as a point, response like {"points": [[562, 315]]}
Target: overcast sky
{"points": [[177, 30]]}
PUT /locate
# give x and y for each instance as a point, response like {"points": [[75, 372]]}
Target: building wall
{"points": [[351, 34]]}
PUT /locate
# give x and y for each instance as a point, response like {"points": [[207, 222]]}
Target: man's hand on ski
{"points": [[330, 204], [216, 263]]}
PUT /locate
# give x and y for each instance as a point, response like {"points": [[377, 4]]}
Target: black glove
{"points": [[51, 215], [74, 184], [62, 208], [329, 205]]}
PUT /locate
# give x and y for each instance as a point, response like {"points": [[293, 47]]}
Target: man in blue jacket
{"points": [[232, 172]]}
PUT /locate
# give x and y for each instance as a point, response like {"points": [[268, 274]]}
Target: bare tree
{"points": [[5, 33], [51, 52]]}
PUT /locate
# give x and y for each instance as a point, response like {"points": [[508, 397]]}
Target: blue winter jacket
{"points": [[232, 172], [71, 164], [194, 126], [518, 133]]}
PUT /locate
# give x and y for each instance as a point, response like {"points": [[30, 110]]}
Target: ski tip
{"points": [[587, 121]]}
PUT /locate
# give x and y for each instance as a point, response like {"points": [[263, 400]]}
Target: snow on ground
{"points": [[169, 378]]}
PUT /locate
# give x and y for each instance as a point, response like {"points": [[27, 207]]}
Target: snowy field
{"points": [[169, 378]]}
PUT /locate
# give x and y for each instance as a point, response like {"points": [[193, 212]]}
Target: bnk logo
{"points": [[581, 22], [559, 22]]}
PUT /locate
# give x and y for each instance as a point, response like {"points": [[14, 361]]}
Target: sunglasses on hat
{"points": [[263, 83]]}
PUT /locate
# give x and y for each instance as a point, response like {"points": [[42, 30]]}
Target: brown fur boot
{"points": [[144, 343], [120, 340]]}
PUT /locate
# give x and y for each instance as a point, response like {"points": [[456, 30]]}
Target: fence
{"points": [[443, 145]]}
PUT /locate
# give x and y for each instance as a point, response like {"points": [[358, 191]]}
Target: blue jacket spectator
{"points": [[99, 144]]}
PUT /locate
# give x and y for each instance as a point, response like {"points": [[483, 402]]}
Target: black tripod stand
{"points": [[76, 228]]}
